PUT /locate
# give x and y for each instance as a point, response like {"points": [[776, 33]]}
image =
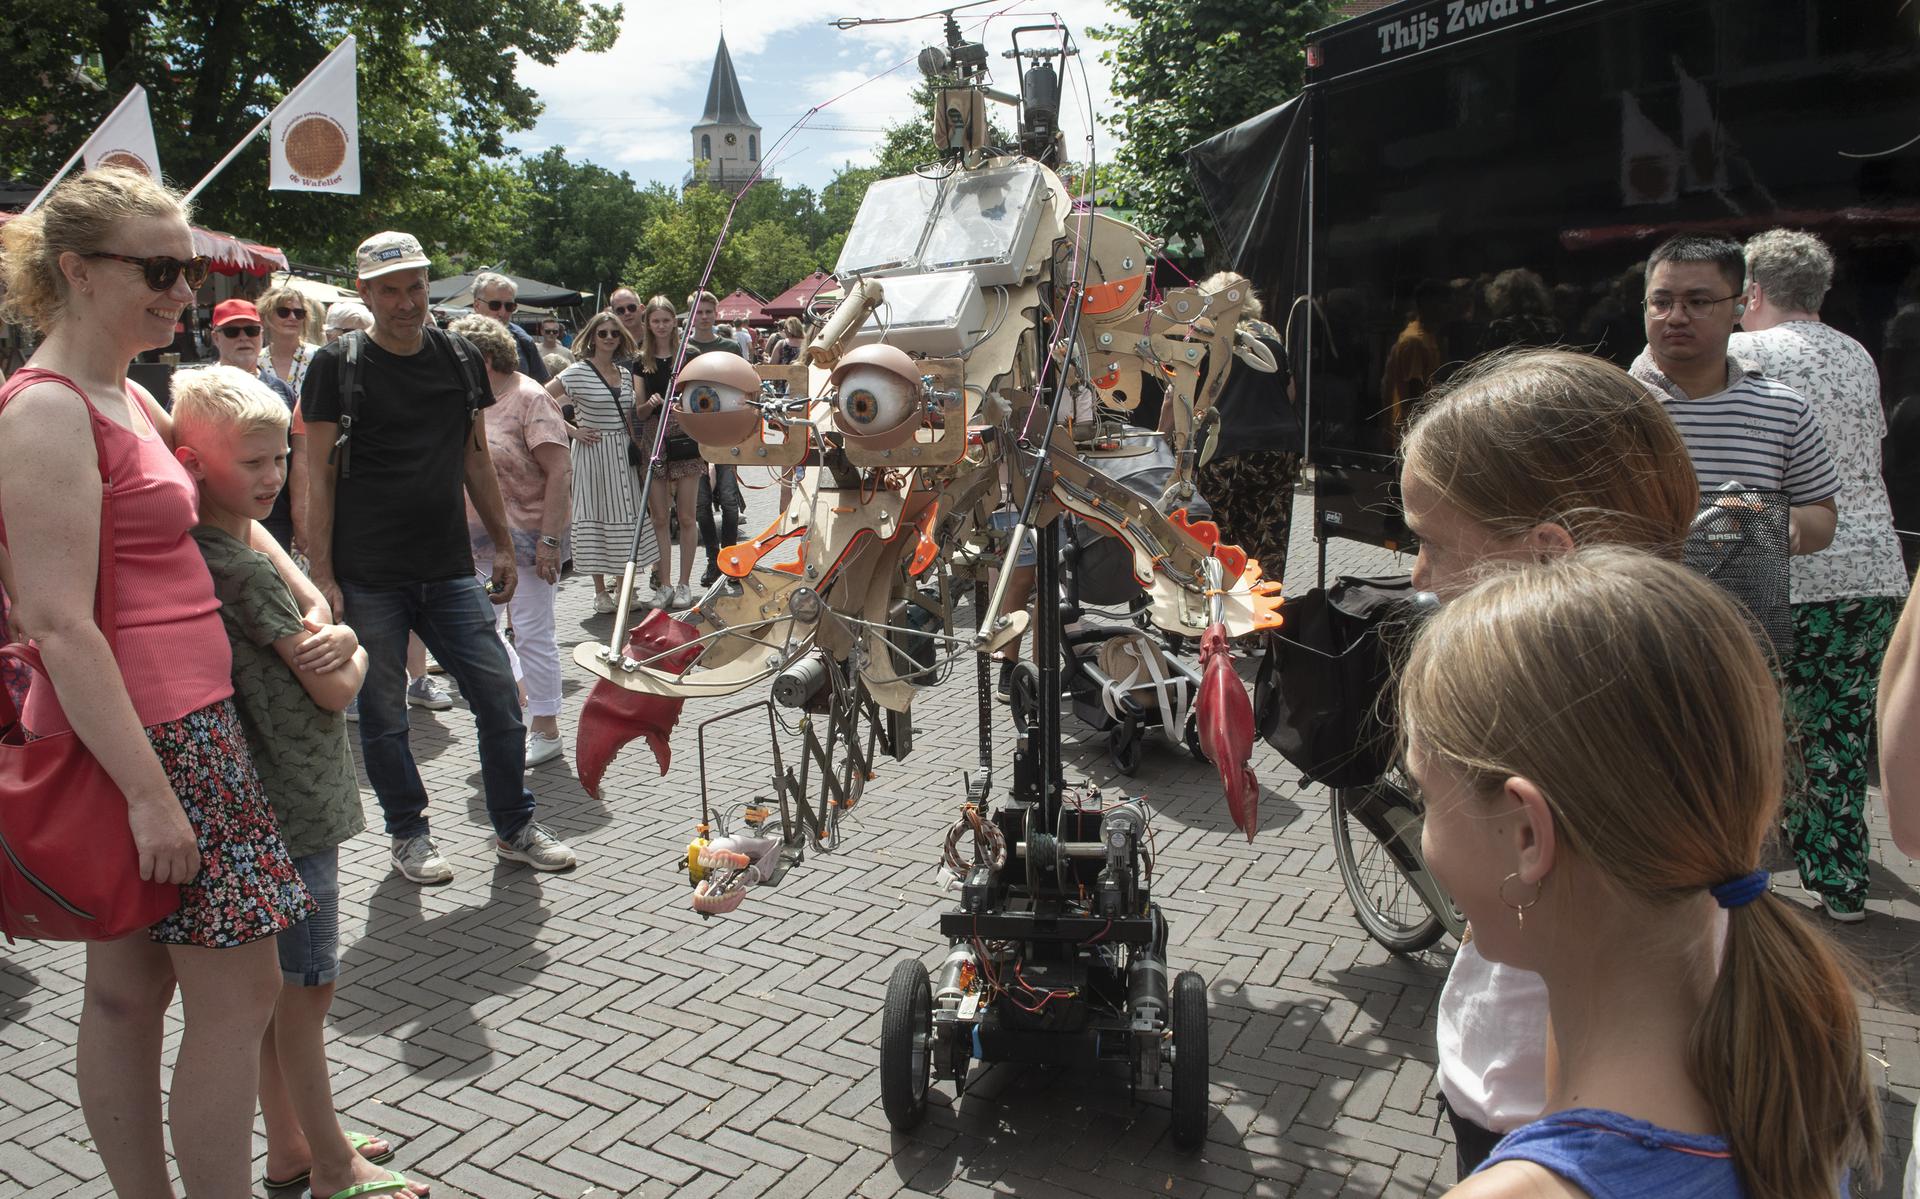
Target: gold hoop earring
{"points": [[1520, 909]]}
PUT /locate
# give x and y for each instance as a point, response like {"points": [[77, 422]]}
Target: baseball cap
{"points": [[227, 312], [385, 253]]}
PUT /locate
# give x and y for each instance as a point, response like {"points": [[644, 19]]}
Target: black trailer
{"points": [[1536, 150]]}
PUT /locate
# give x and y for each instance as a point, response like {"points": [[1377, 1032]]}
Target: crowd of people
{"points": [[1604, 741]]}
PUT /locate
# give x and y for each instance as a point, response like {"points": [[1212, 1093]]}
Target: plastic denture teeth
{"points": [[733, 864]]}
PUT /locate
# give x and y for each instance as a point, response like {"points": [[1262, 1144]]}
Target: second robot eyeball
{"points": [[879, 397]]}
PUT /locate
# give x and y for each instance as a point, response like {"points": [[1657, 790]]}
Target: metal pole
{"points": [[57, 177], [232, 154]]}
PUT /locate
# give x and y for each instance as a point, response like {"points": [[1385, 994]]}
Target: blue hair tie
{"points": [[1739, 892]]}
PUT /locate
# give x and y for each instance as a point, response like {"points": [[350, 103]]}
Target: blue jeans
{"points": [[455, 620]]}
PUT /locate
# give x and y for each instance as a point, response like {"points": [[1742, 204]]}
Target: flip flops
{"points": [[393, 1184], [359, 1141]]}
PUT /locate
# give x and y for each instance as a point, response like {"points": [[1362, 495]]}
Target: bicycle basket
{"points": [[1740, 540], [1321, 689]]}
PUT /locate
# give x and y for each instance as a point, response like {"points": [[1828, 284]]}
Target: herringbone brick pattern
{"points": [[589, 1035]]}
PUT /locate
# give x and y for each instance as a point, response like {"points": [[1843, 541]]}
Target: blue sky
{"points": [[631, 108]]}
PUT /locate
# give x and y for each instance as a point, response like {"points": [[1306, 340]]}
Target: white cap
{"points": [[385, 253]]}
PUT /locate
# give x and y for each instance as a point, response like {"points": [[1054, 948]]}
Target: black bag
{"points": [[1321, 694]]}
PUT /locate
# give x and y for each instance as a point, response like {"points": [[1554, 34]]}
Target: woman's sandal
{"points": [[359, 1141], [395, 1183]]}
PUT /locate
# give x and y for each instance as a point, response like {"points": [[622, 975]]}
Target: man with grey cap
{"points": [[397, 430]]}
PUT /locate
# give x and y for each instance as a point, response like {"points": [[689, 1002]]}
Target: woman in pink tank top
{"points": [[103, 269]]}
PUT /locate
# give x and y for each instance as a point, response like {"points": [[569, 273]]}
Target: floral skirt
{"points": [[247, 887]]}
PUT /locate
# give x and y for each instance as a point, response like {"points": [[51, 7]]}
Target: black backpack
{"points": [[450, 346]]}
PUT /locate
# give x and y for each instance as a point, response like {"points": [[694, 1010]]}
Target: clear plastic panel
{"points": [[886, 234], [985, 218]]}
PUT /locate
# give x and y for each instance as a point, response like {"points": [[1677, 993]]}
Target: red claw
{"points": [[613, 716], [1225, 717]]}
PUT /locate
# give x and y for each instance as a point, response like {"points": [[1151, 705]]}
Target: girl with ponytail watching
{"points": [[1599, 746]]}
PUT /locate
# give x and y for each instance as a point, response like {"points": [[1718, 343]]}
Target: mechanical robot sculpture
{"points": [[977, 303]]}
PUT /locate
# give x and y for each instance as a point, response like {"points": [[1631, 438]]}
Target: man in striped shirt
{"points": [[1738, 425]]}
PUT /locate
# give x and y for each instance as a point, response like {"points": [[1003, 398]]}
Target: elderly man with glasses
{"points": [[237, 334], [495, 295]]}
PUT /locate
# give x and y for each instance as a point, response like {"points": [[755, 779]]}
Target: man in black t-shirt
{"points": [[387, 538], [721, 484]]}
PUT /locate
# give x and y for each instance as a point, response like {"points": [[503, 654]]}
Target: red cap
{"points": [[226, 312]]}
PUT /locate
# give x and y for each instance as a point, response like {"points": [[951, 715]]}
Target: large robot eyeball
{"points": [[712, 402], [879, 404]]}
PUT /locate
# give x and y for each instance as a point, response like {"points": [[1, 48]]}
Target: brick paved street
{"points": [[588, 1035]]}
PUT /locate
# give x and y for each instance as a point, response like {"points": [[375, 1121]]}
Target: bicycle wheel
{"points": [[1386, 901]]}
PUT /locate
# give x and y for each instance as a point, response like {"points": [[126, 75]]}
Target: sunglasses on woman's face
{"points": [[239, 330], [283, 312], [497, 305], [608, 334], [162, 271]]}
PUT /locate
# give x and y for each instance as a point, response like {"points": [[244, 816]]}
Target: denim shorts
{"points": [[1003, 523], [310, 950]]}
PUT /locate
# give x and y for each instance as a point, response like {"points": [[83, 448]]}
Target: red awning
{"points": [[793, 301], [742, 308], [230, 255]]}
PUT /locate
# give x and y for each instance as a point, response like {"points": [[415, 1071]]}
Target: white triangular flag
{"points": [[316, 130], [125, 138]]}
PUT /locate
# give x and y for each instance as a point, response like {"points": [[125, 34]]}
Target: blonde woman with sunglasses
{"points": [[102, 270]]}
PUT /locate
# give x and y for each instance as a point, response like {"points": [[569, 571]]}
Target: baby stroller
{"points": [[1121, 679]]}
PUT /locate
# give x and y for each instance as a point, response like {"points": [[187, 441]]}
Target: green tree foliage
{"points": [[580, 223], [437, 94], [677, 243], [773, 256], [1188, 69]]}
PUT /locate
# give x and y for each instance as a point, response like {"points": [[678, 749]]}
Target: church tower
{"points": [[726, 138]]}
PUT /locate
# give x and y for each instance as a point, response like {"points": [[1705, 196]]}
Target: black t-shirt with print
{"points": [[401, 517]]}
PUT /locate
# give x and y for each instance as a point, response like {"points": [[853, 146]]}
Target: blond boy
{"points": [[230, 432]]}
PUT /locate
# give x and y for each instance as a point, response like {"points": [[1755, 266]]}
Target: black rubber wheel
{"points": [[1124, 744], [1189, 1060], [1384, 899], [906, 1045]]}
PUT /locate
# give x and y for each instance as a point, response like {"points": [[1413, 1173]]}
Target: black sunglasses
{"points": [[624, 309], [162, 271], [283, 312], [239, 330], [497, 305], [609, 334]]}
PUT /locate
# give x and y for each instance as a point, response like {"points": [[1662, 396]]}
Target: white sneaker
{"points": [[603, 602], [418, 858], [423, 692], [536, 847], [541, 749], [682, 596], [352, 710]]}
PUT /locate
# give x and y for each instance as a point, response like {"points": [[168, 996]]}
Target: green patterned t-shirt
{"points": [[299, 748]]}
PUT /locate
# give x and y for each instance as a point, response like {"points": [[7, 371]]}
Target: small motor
{"points": [[1147, 1006]]}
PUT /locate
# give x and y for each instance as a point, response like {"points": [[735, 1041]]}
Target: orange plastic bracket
{"points": [[1103, 298]]}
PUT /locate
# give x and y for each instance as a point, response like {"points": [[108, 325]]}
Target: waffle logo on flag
{"points": [[316, 130], [125, 138]]}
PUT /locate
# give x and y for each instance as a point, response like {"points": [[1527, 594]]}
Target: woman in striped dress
{"points": [[606, 488]]}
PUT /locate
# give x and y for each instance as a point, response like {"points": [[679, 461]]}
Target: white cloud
{"points": [[631, 108]]}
